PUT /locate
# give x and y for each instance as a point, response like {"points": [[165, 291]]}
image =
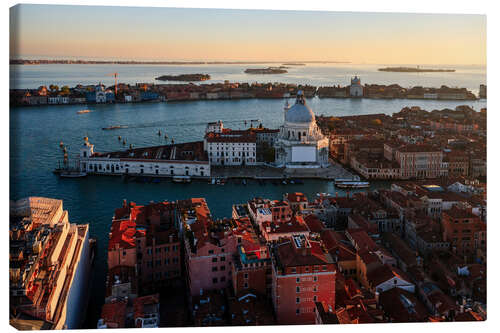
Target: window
{"points": [[245, 275], [297, 311], [298, 289], [315, 298], [222, 268], [222, 258], [214, 259], [222, 279], [246, 285], [297, 300], [167, 261], [167, 248], [210, 251], [214, 280], [214, 269], [315, 278], [298, 280]]}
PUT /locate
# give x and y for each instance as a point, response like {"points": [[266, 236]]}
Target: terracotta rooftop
{"points": [[288, 255]]}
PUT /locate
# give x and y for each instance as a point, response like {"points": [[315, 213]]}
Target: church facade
{"points": [[300, 143]]}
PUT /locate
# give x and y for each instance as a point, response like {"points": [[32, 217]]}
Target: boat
{"points": [[72, 174], [114, 127], [244, 181], [181, 179], [299, 182], [343, 180], [83, 111], [212, 181], [220, 181], [284, 182], [352, 184]]}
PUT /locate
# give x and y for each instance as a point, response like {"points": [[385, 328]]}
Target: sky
{"points": [[141, 33]]}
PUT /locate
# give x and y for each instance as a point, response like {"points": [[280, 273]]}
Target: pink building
{"points": [[303, 273], [146, 238], [211, 245]]}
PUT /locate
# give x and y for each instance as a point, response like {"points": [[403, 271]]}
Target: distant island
{"points": [[145, 62], [184, 77], [268, 70], [413, 69], [293, 64]]}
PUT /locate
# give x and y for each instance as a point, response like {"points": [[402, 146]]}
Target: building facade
{"points": [[300, 143]]}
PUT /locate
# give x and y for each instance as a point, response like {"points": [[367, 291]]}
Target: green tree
{"points": [[65, 90]]}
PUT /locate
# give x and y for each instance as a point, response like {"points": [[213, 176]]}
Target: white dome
{"points": [[300, 112]]}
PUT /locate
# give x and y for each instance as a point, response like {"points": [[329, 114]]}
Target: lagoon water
{"points": [[35, 134], [33, 76]]}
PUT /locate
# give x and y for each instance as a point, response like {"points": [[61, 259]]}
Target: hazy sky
{"points": [[215, 34]]}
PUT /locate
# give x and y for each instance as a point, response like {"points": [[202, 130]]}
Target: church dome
{"points": [[300, 112]]}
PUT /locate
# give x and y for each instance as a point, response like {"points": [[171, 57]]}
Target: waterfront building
{"points": [[303, 273], [49, 265], [297, 201], [300, 143], [265, 210], [231, 147], [482, 91], [100, 95], [183, 159], [415, 160], [356, 89]]}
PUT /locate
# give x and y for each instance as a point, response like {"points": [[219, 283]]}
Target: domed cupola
{"points": [[300, 112]]}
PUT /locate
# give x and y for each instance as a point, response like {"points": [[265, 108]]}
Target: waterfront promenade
{"points": [[264, 172]]}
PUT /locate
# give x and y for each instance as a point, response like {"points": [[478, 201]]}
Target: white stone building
{"points": [[230, 147], [356, 89], [185, 159], [300, 143]]}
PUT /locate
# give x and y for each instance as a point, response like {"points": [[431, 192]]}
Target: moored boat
{"points": [[181, 179], [72, 174], [83, 111], [114, 127], [343, 180], [352, 184]]}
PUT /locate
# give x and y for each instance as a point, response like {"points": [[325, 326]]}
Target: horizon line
{"points": [[232, 61]]}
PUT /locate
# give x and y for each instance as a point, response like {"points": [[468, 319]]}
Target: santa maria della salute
{"points": [[300, 142]]}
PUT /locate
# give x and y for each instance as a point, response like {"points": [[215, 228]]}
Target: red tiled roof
{"points": [[114, 313], [296, 197], [313, 223]]}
